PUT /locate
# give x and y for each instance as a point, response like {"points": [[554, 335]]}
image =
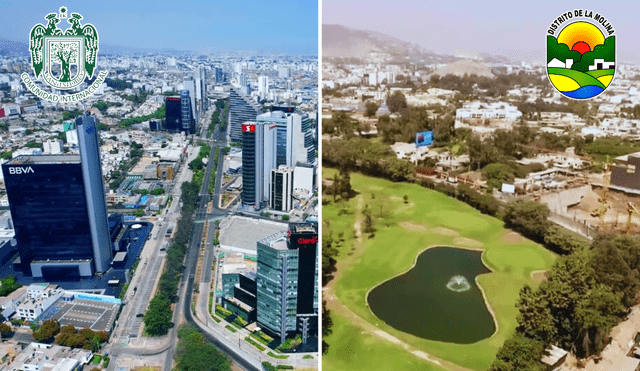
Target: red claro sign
{"points": [[308, 241], [248, 128]]}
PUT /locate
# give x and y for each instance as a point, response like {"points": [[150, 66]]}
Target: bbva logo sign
{"points": [[21, 170]]}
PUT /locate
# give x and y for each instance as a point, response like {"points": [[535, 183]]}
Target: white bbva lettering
{"points": [[21, 170]]}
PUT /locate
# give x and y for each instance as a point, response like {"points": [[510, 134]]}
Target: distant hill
{"points": [[343, 42]]}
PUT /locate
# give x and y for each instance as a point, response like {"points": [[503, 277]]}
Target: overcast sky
{"points": [[509, 28], [277, 25]]}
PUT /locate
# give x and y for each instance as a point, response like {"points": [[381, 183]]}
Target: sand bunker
{"points": [[539, 276], [467, 242], [414, 227], [513, 237], [444, 231], [388, 337]]}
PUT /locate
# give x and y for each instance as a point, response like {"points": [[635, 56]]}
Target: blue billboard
{"points": [[424, 138]]}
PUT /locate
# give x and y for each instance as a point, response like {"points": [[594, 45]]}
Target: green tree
{"points": [[497, 174], [5, 329], [519, 353], [157, 318], [396, 101], [370, 109], [528, 218], [157, 191]]}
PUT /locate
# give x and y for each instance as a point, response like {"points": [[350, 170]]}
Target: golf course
{"points": [[407, 219]]}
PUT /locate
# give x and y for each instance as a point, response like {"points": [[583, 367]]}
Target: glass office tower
{"points": [[49, 209]]}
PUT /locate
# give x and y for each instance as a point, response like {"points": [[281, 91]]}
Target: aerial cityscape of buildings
{"points": [[93, 194]]}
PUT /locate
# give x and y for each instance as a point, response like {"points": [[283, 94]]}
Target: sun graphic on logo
{"points": [[581, 37], [581, 61]]}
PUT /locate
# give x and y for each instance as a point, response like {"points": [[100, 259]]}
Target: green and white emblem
{"points": [[51, 50], [63, 59]]}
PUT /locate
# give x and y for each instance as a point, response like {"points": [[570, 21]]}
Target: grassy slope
{"points": [[583, 79], [393, 250]]}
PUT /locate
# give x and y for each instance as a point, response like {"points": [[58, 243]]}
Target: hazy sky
{"points": [[277, 25], [509, 28]]}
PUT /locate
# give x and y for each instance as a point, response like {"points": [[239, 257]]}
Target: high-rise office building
{"points": [[186, 112], [94, 190], [287, 290], [296, 142], [178, 114], [263, 85], [58, 209], [190, 85], [281, 189], [173, 114], [241, 109], [218, 75], [201, 88], [258, 158]]}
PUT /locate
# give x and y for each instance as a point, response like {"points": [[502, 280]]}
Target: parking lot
{"points": [[80, 313]]}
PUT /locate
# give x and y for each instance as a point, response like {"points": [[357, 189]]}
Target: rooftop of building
{"points": [[276, 241], [625, 158], [303, 227], [45, 159]]}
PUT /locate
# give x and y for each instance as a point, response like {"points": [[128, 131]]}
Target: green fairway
{"points": [[403, 230], [583, 79], [350, 350]]}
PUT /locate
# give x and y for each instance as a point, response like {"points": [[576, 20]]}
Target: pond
{"points": [[438, 298]]}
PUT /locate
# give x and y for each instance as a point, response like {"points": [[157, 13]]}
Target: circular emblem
{"points": [[581, 54], [89, 129]]}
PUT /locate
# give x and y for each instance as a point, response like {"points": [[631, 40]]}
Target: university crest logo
{"points": [[64, 60], [581, 54]]}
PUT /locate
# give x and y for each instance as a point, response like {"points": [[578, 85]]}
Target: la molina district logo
{"points": [[64, 60], [581, 54]]}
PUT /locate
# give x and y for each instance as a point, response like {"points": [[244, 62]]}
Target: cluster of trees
{"points": [[8, 285], [219, 117], [5, 330], [138, 98], [47, 332], [327, 326], [371, 158], [396, 101], [160, 113], [157, 318], [118, 84], [413, 120], [340, 124], [197, 163], [155, 191], [494, 87], [102, 106], [85, 338], [341, 186], [585, 295], [195, 353], [532, 110], [370, 109], [612, 147], [530, 219], [633, 112], [212, 176], [69, 115]]}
